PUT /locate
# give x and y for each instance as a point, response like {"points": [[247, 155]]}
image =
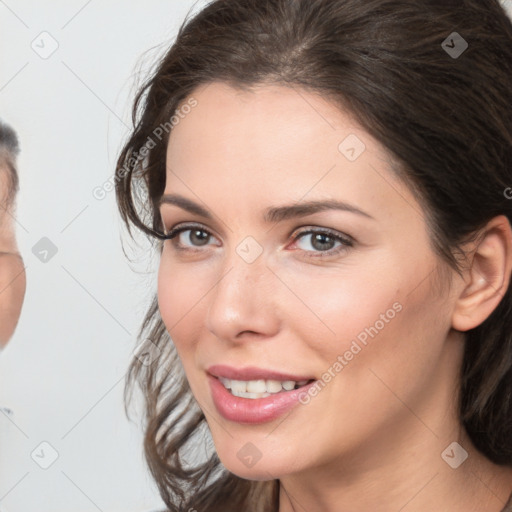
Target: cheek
{"points": [[179, 301], [390, 345], [335, 307], [378, 317]]}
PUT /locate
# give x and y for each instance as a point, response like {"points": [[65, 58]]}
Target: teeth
{"points": [[256, 386], [250, 395], [259, 388], [238, 386], [274, 386], [225, 382], [288, 385]]}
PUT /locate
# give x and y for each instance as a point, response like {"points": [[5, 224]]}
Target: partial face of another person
{"points": [[12, 269], [343, 299]]}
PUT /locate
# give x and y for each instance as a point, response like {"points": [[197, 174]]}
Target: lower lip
{"points": [[254, 410]]}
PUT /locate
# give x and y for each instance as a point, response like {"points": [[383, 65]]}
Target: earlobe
{"points": [[487, 277]]}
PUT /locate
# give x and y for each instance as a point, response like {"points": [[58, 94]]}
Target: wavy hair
{"points": [[445, 117]]}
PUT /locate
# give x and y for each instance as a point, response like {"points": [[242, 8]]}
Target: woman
{"points": [[328, 185]]}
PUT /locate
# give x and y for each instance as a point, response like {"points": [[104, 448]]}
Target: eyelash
{"points": [[346, 241]]}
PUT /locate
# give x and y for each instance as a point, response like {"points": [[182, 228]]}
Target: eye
{"points": [[189, 237], [320, 242], [324, 242]]}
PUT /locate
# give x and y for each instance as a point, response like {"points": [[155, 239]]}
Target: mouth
{"points": [[255, 395], [261, 388]]}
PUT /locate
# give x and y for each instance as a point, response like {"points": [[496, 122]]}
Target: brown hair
{"points": [[445, 118]]}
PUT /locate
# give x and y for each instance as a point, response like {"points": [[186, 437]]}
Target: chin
{"points": [[259, 472], [245, 460]]}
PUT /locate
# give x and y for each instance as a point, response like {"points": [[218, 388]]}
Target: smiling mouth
{"points": [[260, 388]]}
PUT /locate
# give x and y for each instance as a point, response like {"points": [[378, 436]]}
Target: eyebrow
{"points": [[273, 214]]}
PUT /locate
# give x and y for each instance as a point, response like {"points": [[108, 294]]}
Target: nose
{"points": [[244, 304]]}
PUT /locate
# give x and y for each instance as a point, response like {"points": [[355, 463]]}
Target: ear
{"points": [[487, 277]]}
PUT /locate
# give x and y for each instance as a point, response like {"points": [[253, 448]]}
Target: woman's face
{"points": [[263, 284]]}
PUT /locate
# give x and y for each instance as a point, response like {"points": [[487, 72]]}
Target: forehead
{"points": [[270, 123], [285, 114], [280, 142]]}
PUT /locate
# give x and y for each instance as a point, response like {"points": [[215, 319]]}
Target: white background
{"points": [[62, 373]]}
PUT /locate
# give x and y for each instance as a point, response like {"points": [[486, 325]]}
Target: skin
{"points": [[12, 268], [372, 438]]}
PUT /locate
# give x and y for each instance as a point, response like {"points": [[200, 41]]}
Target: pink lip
{"points": [[257, 410], [252, 373]]}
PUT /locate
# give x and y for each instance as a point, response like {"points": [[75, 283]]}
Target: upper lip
{"points": [[252, 373]]}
